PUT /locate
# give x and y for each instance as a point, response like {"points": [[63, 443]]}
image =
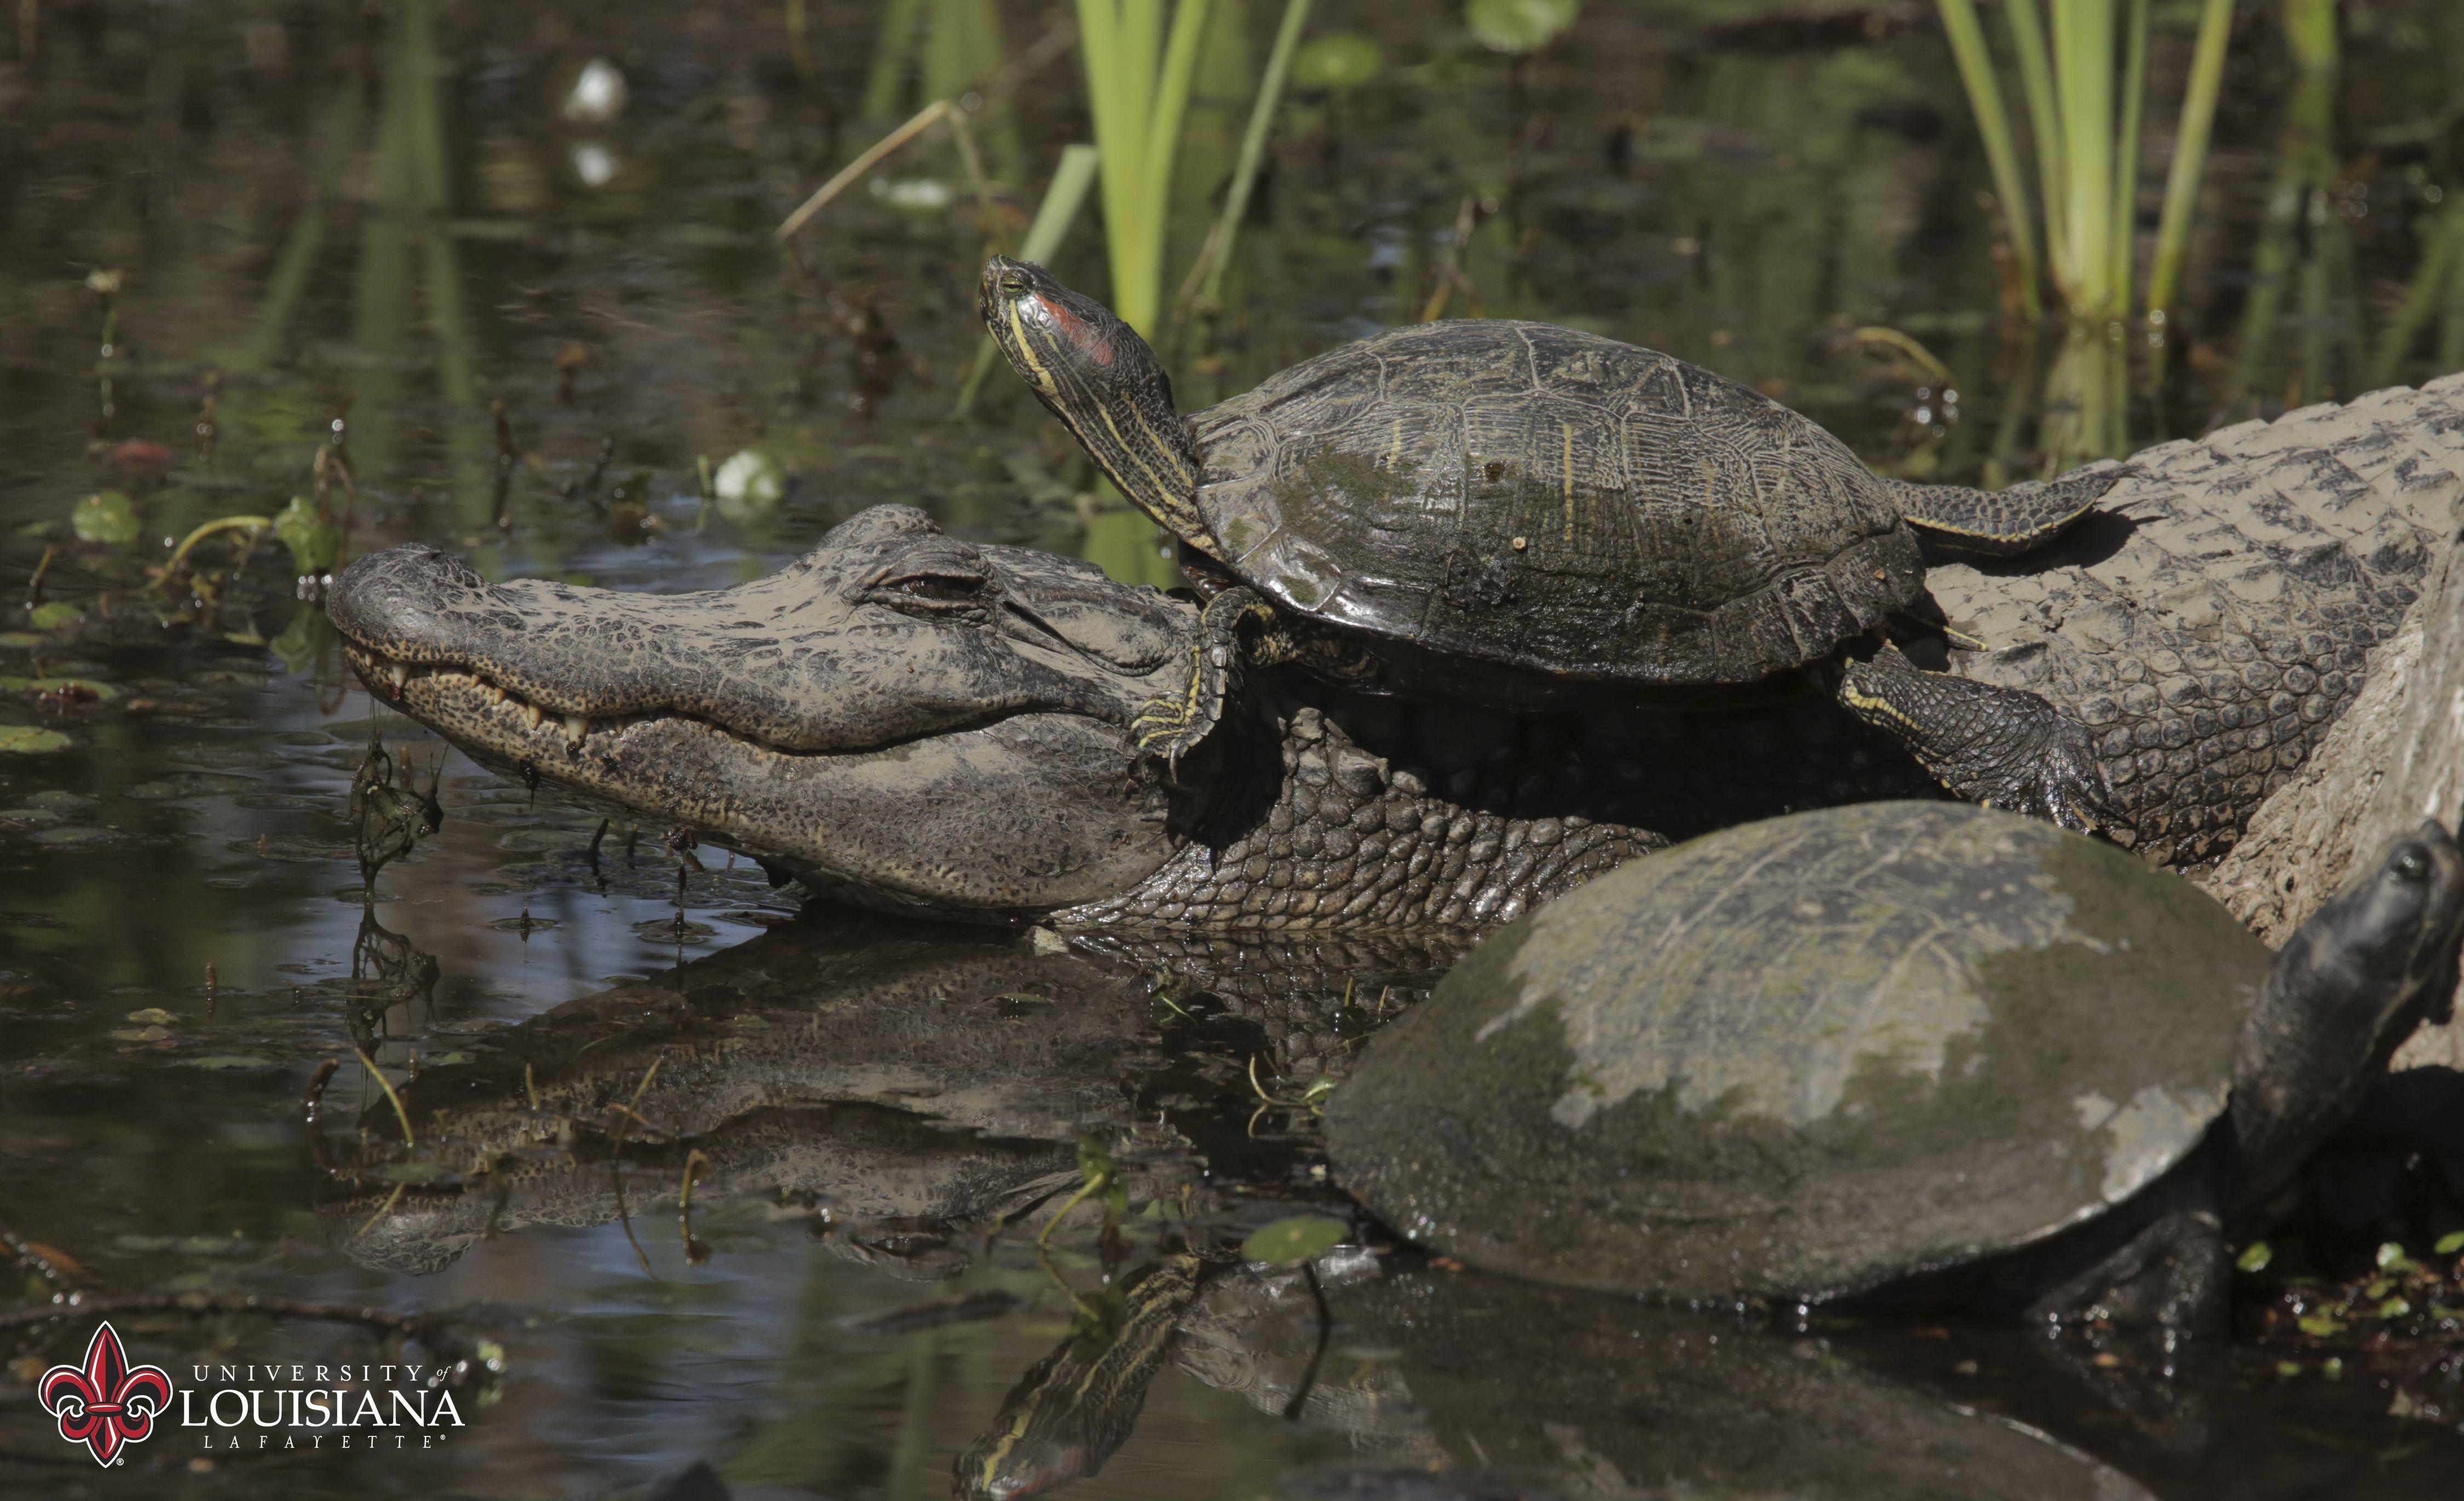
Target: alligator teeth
{"points": [[575, 728], [398, 675], [531, 715]]}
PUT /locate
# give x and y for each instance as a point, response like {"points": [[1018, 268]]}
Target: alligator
{"points": [[913, 722]]}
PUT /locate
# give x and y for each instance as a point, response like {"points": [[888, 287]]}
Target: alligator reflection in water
{"points": [[920, 1086]]}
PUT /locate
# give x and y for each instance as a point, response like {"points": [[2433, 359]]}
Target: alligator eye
{"points": [[2411, 864], [932, 593], [954, 590]]}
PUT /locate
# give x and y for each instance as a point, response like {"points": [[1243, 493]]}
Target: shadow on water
{"points": [[690, 1175]]}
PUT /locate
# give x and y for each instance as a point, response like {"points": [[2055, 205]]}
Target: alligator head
{"points": [[901, 716]]}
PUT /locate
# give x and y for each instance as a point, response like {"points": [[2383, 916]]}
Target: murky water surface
{"points": [[803, 1248]]}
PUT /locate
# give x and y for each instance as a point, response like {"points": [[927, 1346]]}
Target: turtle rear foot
{"points": [[2171, 1276], [2000, 746], [2001, 523]]}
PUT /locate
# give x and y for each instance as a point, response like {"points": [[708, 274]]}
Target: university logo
{"points": [[106, 1403]]}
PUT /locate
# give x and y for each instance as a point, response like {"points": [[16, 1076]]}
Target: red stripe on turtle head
{"points": [[1073, 328]]}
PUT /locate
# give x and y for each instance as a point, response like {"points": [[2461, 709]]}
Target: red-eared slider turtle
{"points": [[1815, 1055], [1525, 514]]}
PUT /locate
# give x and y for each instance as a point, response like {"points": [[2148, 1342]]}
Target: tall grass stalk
{"points": [[1216, 257], [1137, 88], [1975, 60], [2189, 160], [2082, 69]]}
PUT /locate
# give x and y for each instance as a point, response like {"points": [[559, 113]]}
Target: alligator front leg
{"points": [[2000, 746]]}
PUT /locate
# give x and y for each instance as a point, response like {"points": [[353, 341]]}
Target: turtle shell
{"points": [[1805, 1057], [1554, 503]]}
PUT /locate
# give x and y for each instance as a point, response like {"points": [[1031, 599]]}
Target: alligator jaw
{"points": [[1023, 815]]}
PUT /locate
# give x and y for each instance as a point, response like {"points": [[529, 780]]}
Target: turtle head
{"points": [[1106, 384], [2346, 989]]}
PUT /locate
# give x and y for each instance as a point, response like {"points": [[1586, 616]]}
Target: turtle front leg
{"points": [[2003, 748], [1172, 725]]}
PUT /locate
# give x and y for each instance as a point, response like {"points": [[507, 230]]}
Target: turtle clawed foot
{"points": [[2070, 787], [1167, 730]]}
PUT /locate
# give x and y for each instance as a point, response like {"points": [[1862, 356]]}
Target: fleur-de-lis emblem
{"points": [[106, 1403]]}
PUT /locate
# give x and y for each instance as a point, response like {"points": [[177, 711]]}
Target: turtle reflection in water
{"points": [[1834, 1052], [1528, 516]]}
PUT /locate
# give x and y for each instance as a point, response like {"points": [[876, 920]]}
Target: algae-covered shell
{"points": [[1805, 1057]]}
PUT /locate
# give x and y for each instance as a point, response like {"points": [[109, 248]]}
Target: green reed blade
{"points": [[2126, 158], [1253, 149], [2044, 123], [1993, 123], [2084, 75], [1170, 107], [2189, 159], [893, 51], [1138, 89]]}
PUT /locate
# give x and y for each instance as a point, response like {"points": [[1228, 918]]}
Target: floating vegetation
{"points": [[2402, 1321]]}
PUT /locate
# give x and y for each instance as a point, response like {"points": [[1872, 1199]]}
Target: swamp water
{"points": [[782, 1252]]}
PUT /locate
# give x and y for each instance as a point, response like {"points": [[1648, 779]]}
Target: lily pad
{"points": [[229, 1062], [1337, 62], [1289, 1242], [31, 740], [107, 517], [54, 614], [154, 1016], [1519, 26]]}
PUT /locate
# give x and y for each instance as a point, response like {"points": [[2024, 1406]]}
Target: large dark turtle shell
{"points": [[1805, 1057], [1554, 503]]}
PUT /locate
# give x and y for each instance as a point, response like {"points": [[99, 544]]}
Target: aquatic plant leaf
{"points": [[2449, 1245], [107, 517], [1288, 1242], [153, 1014], [1519, 26], [2256, 1257], [311, 538], [1338, 60], [29, 740], [54, 614], [299, 643]]}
